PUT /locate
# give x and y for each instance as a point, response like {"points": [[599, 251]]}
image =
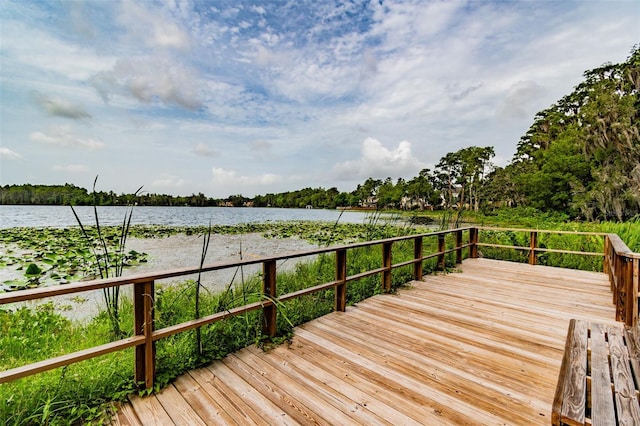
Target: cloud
{"points": [[261, 149], [7, 154], [378, 161], [70, 168], [80, 20], [458, 92], [521, 96], [58, 107], [150, 80], [203, 150], [223, 177], [151, 27], [168, 181], [61, 136]]}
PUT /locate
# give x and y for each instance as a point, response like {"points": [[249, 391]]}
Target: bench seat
{"points": [[600, 370]]}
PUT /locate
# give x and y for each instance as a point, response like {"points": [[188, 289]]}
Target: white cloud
{"points": [[70, 168], [80, 19], [230, 177], [42, 55], [151, 80], [203, 150], [295, 96], [59, 107], [150, 26], [378, 161], [6, 153], [517, 103], [168, 181], [62, 136]]}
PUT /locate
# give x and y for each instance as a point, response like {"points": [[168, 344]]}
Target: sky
{"points": [[245, 97]]}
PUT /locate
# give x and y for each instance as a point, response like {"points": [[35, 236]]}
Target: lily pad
{"points": [[33, 270]]}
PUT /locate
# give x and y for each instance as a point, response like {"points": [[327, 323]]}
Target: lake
{"points": [[62, 216], [175, 251]]}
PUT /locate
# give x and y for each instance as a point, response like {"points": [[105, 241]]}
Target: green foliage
{"points": [[580, 156], [82, 392]]}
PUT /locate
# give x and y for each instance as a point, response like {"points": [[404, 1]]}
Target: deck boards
{"points": [[483, 346]]}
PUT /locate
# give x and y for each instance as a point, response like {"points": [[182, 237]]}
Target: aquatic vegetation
{"points": [[67, 254], [58, 255]]}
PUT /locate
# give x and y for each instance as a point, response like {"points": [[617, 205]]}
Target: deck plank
{"points": [[483, 346]]}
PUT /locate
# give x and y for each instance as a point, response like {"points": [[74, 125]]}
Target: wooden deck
{"points": [[479, 347]]}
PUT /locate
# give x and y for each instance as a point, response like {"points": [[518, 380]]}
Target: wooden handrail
{"points": [[619, 263], [144, 295]]}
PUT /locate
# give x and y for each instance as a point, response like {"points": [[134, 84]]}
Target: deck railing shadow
{"points": [[618, 262]]}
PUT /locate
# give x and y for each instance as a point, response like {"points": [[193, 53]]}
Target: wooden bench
{"points": [[599, 376]]}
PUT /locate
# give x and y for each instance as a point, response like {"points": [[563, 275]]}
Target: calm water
{"points": [[62, 216]]}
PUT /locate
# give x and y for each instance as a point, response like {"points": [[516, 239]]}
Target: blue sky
{"points": [[251, 97]]}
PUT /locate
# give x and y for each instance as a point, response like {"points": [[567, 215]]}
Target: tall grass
{"points": [[83, 391], [108, 263], [629, 232]]}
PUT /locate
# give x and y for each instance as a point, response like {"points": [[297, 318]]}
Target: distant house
{"points": [[414, 203], [455, 196], [370, 203]]}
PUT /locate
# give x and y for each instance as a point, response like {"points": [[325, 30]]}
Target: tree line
{"points": [[580, 158], [455, 181]]}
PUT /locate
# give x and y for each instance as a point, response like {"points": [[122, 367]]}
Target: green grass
{"points": [[83, 392]]}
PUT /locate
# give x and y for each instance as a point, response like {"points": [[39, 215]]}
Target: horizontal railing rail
{"points": [[145, 335], [620, 264]]}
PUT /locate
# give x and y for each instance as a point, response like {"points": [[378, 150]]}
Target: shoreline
{"points": [[172, 252]]}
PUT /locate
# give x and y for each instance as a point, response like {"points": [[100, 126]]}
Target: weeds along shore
{"points": [[84, 392]]}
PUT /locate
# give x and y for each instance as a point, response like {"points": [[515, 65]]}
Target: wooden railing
{"points": [[145, 336], [623, 266], [620, 264]]}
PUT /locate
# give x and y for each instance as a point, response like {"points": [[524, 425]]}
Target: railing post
{"points": [[459, 246], [631, 285], [386, 264], [620, 292], [533, 244], [605, 263], [269, 312], [341, 276], [614, 276], [143, 298], [441, 249], [417, 254], [473, 243], [636, 289]]}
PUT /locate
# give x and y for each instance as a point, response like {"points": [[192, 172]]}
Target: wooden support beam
{"points": [[269, 313], [341, 276], [621, 288], [473, 243], [143, 308], [605, 263], [458, 246], [441, 250], [386, 264], [417, 254], [631, 284], [533, 244]]}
